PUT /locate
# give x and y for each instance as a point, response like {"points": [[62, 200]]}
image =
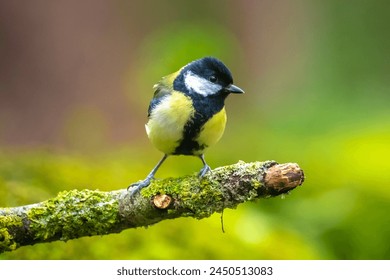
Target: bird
{"points": [[187, 112]]}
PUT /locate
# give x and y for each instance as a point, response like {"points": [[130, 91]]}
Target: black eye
{"points": [[213, 79]]}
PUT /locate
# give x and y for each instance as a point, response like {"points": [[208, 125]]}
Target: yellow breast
{"points": [[212, 130], [167, 120]]}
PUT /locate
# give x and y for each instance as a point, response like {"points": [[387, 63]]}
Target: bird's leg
{"points": [[205, 168], [136, 187]]}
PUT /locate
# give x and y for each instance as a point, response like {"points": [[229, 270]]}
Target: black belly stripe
{"points": [[205, 108]]}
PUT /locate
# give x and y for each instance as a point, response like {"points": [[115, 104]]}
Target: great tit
{"points": [[187, 113]]}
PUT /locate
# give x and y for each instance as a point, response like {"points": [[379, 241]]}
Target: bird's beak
{"points": [[234, 89]]}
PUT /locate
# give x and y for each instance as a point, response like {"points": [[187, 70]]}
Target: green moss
{"points": [[7, 243], [73, 214], [197, 196], [203, 197]]}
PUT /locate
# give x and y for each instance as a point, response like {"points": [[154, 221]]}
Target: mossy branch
{"points": [[76, 213]]}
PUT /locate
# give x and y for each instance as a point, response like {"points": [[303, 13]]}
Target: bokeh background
{"points": [[76, 78]]}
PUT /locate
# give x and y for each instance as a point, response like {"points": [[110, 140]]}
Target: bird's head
{"points": [[207, 76]]}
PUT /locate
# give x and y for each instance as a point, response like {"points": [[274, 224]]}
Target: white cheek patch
{"points": [[200, 85]]}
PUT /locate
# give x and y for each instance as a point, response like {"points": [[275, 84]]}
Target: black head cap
{"points": [[213, 70]]}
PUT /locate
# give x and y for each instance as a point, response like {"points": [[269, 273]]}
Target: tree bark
{"points": [[76, 213]]}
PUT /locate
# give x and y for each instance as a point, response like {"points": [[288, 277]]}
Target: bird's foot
{"points": [[204, 170], [136, 187]]}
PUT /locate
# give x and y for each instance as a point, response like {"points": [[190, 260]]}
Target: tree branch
{"points": [[76, 213]]}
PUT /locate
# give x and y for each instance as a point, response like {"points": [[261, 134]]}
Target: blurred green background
{"points": [[76, 78]]}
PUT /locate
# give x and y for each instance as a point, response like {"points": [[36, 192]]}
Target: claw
{"points": [[136, 187], [204, 170]]}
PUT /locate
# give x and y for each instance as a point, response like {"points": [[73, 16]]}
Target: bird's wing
{"points": [[161, 89]]}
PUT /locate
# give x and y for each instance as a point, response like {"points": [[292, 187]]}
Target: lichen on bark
{"points": [[76, 213]]}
